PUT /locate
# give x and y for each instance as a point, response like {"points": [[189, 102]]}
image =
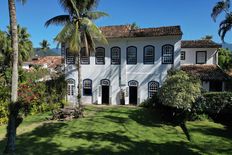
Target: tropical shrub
{"points": [[218, 105], [3, 111], [180, 90]]}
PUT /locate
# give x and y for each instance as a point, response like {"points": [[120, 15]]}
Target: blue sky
{"points": [[192, 15]]}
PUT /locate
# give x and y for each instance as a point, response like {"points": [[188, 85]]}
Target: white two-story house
{"points": [[133, 65], [200, 58]]}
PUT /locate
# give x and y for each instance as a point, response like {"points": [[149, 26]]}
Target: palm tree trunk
{"points": [[86, 45], [79, 79], [11, 129]]}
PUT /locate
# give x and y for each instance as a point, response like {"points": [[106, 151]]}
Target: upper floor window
{"points": [[71, 87], [87, 87], [149, 54], [84, 57], [182, 55], [167, 54], [201, 57], [153, 87], [131, 55], [70, 57], [100, 56], [115, 56]]}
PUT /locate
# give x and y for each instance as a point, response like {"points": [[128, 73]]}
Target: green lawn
{"points": [[118, 130]]}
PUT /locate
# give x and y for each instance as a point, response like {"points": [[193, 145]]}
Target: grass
{"points": [[118, 130]]}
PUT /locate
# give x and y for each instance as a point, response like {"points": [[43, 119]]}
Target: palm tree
{"points": [[44, 45], [79, 31], [226, 25], [24, 44], [13, 121]]}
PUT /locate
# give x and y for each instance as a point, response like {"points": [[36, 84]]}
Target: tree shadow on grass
{"points": [[124, 145], [40, 142], [219, 132]]}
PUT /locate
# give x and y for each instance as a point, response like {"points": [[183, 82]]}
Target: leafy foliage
{"points": [[180, 90], [225, 58], [35, 97]]}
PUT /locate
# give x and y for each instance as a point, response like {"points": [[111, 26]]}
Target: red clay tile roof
{"points": [[51, 61], [199, 44], [206, 72], [126, 31]]}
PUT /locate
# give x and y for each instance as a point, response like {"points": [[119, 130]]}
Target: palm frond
{"points": [[225, 26], [58, 20], [221, 6], [94, 31], [65, 33], [96, 15], [67, 6], [75, 40]]}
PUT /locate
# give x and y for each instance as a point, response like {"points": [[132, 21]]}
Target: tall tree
{"points": [[24, 44], [13, 121], [44, 45], [79, 30], [226, 24]]}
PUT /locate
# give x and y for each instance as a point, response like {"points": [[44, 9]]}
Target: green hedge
{"points": [[215, 102], [218, 105]]}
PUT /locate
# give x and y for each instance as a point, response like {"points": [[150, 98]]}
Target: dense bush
{"points": [[35, 97], [180, 90], [218, 105], [151, 102]]}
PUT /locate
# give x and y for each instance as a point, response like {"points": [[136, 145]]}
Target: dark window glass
{"points": [[215, 86], [115, 56], [100, 56], [182, 55], [87, 87], [149, 55], [167, 54], [132, 55]]}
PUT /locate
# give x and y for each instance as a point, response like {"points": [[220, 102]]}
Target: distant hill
{"points": [[50, 52], [226, 45]]}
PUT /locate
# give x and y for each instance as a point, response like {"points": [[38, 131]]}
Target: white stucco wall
{"points": [[140, 72], [190, 55]]}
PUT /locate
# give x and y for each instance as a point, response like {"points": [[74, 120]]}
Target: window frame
{"points": [[87, 57], [166, 56], [111, 50], [150, 91], [72, 92], [69, 54], [153, 58], [205, 52], [96, 62], [184, 55], [127, 56], [91, 87]]}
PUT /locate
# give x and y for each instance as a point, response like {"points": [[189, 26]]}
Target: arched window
{"points": [[149, 54], [105, 82], [131, 55], [87, 87], [84, 56], [100, 56], [70, 57], [167, 54], [115, 55], [153, 87], [133, 83], [71, 87]]}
